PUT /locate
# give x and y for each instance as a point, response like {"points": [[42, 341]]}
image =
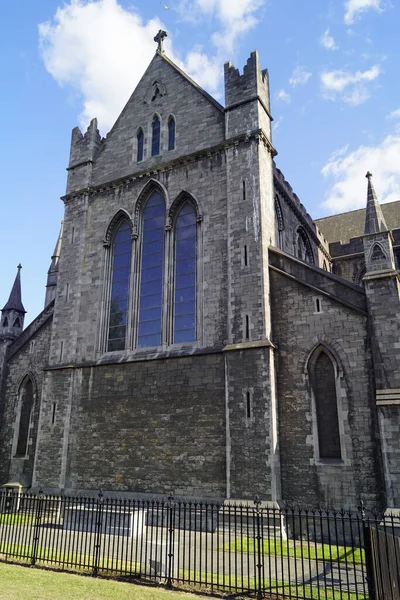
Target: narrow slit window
{"points": [[119, 298], [317, 305], [152, 273], [155, 138], [61, 350], [73, 235], [140, 144], [247, 332], [245, 257], [53, 414], [248, 405], [244, 190], [171, 133], [185, 275]]}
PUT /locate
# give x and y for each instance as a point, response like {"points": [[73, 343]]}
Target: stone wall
{"points": [[299, 326], [27, 357], [152, 426]]}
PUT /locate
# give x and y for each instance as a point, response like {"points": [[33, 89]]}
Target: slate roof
{"points": [[343, 227]]}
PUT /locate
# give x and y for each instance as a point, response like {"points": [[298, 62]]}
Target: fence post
{"points": [[99, 524], [259, 584], [369, 559], [37, 525], [171, 515]]}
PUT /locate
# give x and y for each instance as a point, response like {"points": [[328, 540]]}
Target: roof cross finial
{"points": [[19, 267], [368, 175], [159, 38]]}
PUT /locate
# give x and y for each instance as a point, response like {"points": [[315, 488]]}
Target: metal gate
{"points": [[385, 559]]}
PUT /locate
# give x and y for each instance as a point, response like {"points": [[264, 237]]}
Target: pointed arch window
{"points": [[155, 136], [26, 406], [377, 253], [5, 322], [140, 145], [119, 293], [304, 250], [323, 380], [17, 323], [185, 275], [152, 273], [171, 133]]}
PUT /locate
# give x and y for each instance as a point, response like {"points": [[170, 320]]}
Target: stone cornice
{"points": [[286, 196], [257, 135]]}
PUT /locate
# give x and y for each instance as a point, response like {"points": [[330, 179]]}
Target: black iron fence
{"points": [[252, 549]]}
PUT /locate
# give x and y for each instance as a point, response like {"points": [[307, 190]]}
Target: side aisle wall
{"points": [[298, 328]]}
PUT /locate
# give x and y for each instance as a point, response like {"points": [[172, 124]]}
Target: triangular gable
{"points": [[164, 90]]}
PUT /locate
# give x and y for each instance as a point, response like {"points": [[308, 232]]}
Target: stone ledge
{"points": [[390, 397], [248, 345]]}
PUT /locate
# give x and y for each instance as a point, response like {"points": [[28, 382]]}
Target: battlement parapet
{"points": [[252, 84], [84, 147]]}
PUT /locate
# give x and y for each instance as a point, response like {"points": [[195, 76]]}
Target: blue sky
{"points": [[335, 95]]}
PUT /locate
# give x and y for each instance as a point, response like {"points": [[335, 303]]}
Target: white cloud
{"points": [[346, 170], [327, 41], [349, 87], [353, 8], [277, 122], [235, 17], [101, 50], [395, 114], [283, 96], [300, 76]]}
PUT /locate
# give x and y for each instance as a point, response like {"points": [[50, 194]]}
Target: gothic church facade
{"points": [[202, 335]]}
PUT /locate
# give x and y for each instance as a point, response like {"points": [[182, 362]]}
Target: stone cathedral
{"points": [[201, 334]]}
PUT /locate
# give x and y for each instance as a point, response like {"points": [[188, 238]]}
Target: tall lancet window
{"points": [[155, 137], [26, 406], [152, 273], [119, 298], [323, 379], [140, 143], [185, 275], [171, 133]]}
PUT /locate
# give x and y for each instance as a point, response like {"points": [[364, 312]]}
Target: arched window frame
{"points": [[382, 254], [279, 223], [171, 132], [120, 217], [340, 395], [155, 135], [302, 234], [173, 214], [29, 378]]}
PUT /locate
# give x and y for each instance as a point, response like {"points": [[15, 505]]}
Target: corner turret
{"points": [[52, 273], [83, 151], [247, 98], [377, 240], [13, 313]]}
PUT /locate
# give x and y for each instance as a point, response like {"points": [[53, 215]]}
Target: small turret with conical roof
{"points": [[13, 313], [52, 274], [378, 241], [382, 287]]}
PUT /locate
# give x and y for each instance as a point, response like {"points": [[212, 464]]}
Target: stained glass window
{"points": [[152, 270], [155, 139], [185, 275], [121, 266], [140, 141], [171, 133]]}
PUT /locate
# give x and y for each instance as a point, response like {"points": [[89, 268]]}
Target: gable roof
{"points": [[343, 227]]}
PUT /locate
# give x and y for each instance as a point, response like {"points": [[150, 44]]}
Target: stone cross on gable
{"points": [[368, 175], [160, 37]]}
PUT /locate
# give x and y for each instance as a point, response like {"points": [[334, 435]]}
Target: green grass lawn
{"points": [[299, 549], [35, 584], [15, 519]]}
